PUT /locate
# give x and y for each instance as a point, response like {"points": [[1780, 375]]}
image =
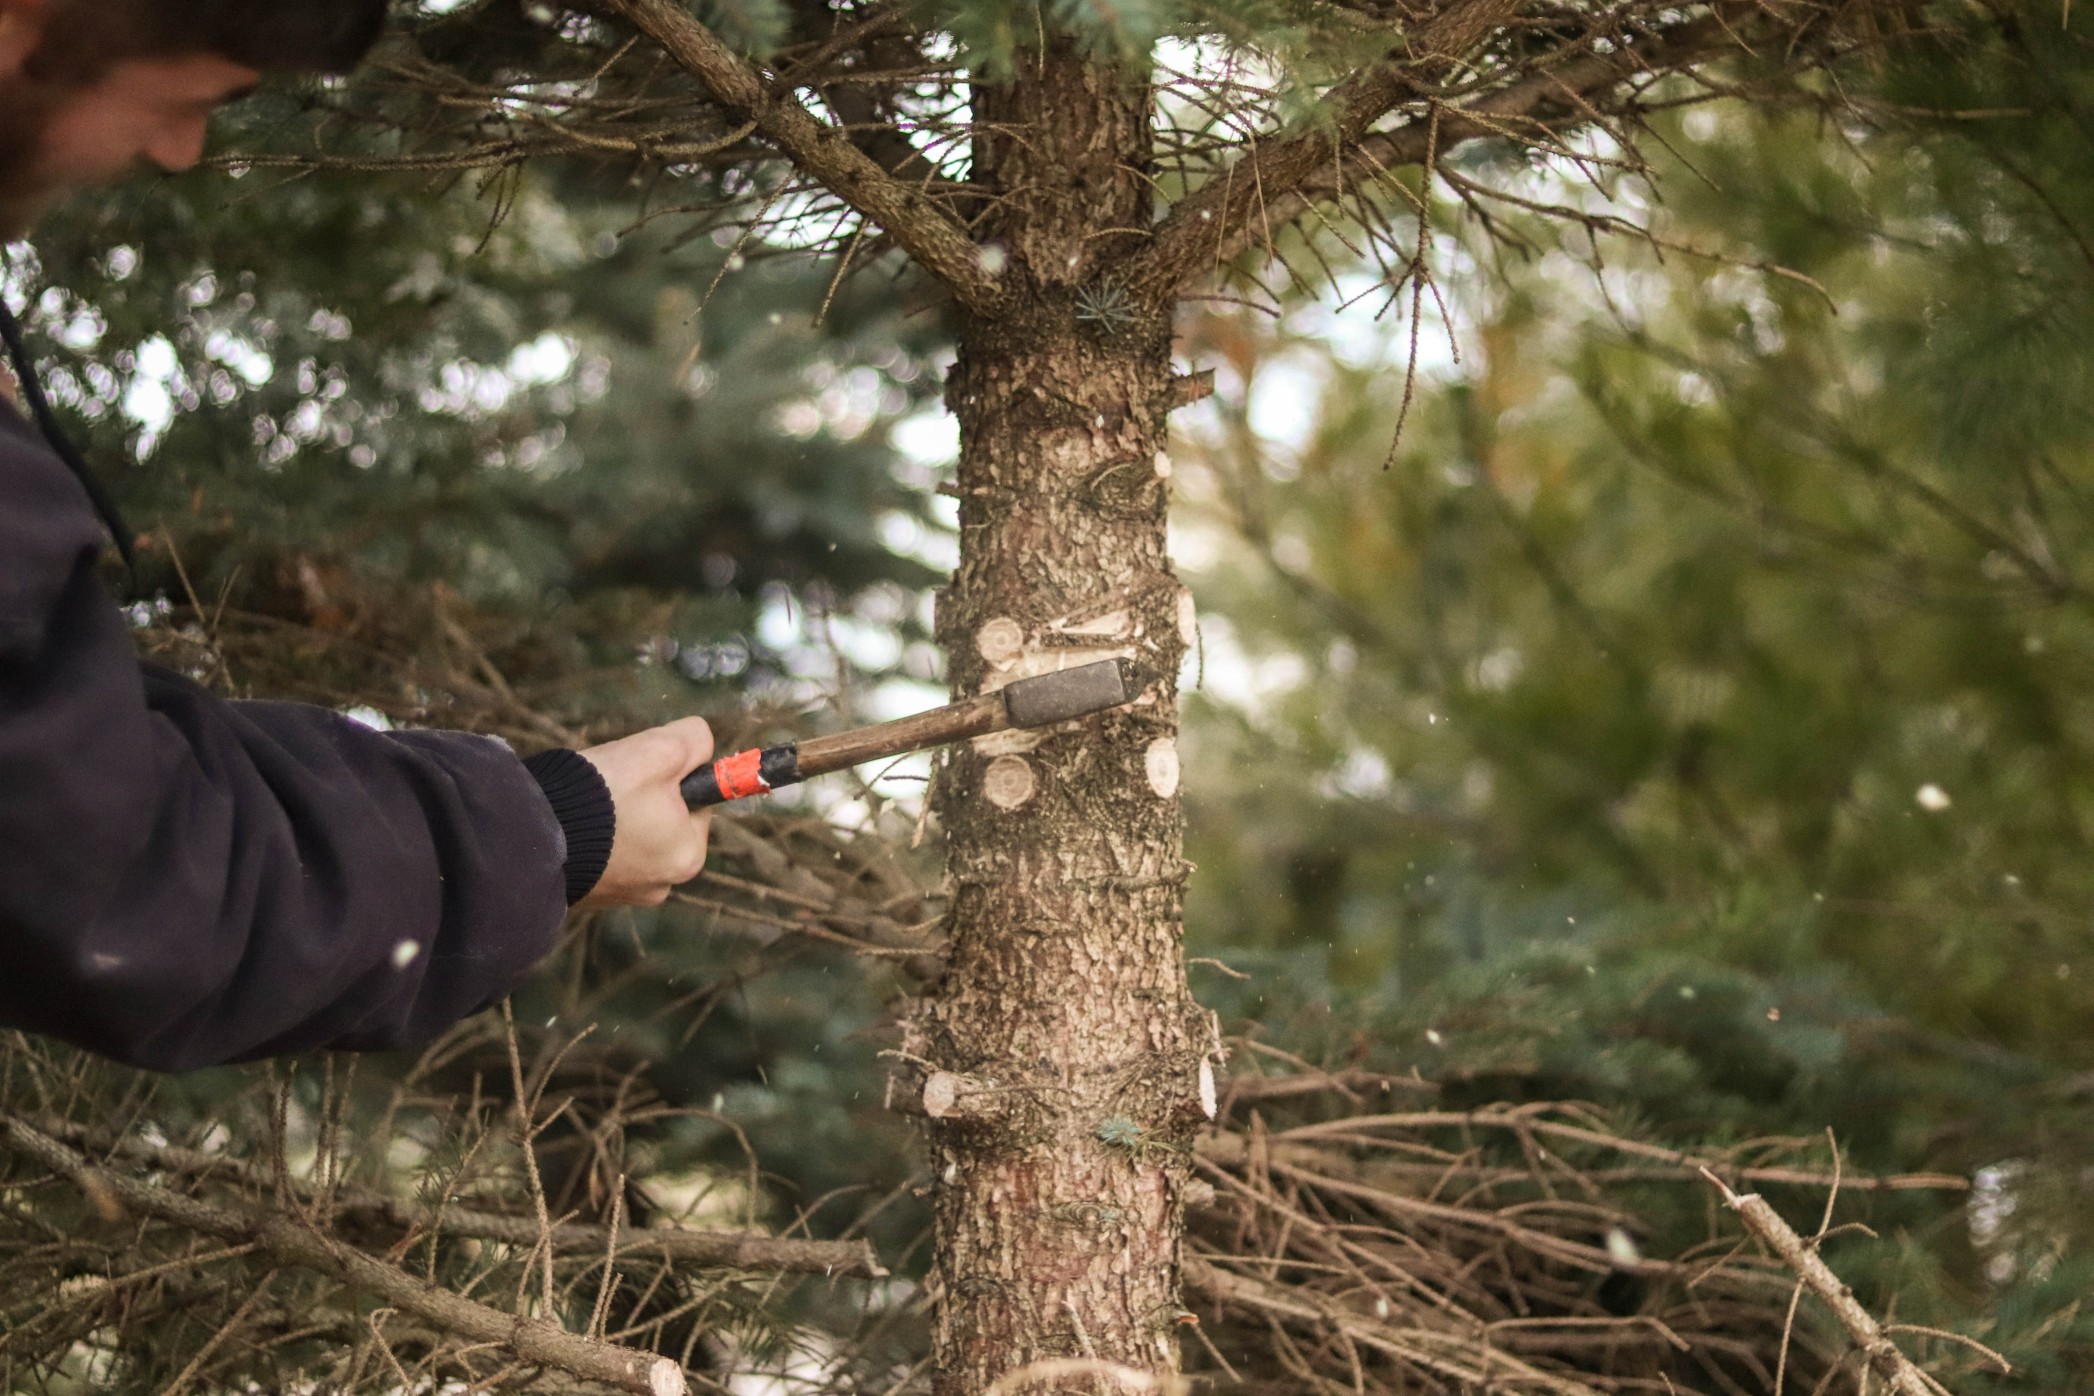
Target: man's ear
{"points": [[21, 30]]}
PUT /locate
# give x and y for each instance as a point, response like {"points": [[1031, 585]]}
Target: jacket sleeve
{"points": [[186, 881]]}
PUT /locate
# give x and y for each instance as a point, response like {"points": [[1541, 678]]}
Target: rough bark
{"points": [[1062, 1053]]}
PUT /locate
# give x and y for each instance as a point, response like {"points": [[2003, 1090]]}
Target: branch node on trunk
{"points": [[999, 642], [948, 1097], [1161, 764], [941, 1094], [1009, 783], [1185, 389]]}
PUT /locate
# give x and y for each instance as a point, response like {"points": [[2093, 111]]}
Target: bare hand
{"points": [[660, 842]]}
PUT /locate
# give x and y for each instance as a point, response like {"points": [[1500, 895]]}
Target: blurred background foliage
{"points": [[319, 387], [446, 451], [1690, 714]]}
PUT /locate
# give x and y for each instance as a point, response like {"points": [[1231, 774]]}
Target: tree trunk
{"points": [[1062, 1053]]}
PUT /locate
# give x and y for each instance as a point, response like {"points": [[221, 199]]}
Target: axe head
{"points": [[1050, 698]]}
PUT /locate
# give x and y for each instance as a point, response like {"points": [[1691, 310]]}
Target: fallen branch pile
{"points": [[1348, 1234], [1507, 1249]]}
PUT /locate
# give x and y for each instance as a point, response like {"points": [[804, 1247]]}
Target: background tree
{"points": [[1059, 185], [1687, 717], [1064, 187]]}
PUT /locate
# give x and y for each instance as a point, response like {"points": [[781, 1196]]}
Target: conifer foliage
{"points": [[1047, 184]]}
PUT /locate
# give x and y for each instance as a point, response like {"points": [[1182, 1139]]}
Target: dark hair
{"points": [[274, 36], [308, 36]]}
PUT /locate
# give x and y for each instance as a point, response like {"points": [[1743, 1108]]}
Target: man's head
{"points": [[89, 89]]}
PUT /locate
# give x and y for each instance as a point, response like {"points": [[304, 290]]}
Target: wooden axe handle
{"points": [[1040, 701], [754, 772]]}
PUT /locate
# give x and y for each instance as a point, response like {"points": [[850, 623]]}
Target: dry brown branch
{"points": [[497, 154], [1878, 1351], [1439, 1252], [1230, 1148], [536, 1341], [732, 1250], [1534, 1119], [1350, 1084], [786, 926], [736, 1250], [1444, 1355]]}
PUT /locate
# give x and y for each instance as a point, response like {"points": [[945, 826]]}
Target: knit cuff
{"points": [[582, 803]]}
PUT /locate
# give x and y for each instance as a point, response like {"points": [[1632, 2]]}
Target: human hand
{"points": [[660, 842]]}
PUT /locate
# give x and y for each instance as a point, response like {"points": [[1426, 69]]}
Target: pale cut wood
{"points": [[948, 1095]]}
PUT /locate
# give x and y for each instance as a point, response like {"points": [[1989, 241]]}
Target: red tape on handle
{"points": [[740, 775]]}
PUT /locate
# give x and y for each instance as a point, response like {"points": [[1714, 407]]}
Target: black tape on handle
{"points": [[741, 775]]}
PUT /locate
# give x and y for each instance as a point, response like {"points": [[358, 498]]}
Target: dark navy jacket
{"points": [[186, 881]]}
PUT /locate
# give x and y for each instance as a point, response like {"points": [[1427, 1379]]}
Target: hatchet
{"points": [[1041, 701]]}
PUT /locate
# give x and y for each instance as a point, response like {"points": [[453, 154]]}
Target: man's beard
{"points": [[27, 186]]}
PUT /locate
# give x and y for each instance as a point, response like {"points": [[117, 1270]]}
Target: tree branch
{"points": [[905, 212], [863, 111], [1282, 179], [1443, 1353], [1881, 1354], [1224, 206], [734, 1250], [286, 1240]]}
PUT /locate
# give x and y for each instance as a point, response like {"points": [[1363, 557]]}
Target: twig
{"points": [[225, 1330], [1882, 1355], [730, 1250], [525, 1135], [285, 1240]]}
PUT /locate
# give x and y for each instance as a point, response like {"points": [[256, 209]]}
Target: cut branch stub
{"points": [[1009, 782], [1160, 763], [952, 1098], [941, 1094], [1189, 388], [1000, 641]]}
